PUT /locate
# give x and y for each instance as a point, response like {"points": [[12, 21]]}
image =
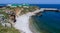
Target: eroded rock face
{"points": [[6, 25], [18, 11]]}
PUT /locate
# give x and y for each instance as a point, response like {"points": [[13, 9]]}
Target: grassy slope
{"points": [[8, 30]]}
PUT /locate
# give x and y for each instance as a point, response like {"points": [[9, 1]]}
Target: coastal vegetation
{"points": [[8, 30]]}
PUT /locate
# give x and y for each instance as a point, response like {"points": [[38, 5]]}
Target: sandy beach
{"points": [[23, 23]]}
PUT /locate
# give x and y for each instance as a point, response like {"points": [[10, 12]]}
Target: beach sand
{"points": [[23, 23]]}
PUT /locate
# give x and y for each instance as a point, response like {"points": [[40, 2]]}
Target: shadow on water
{"points": [[49, 22]]}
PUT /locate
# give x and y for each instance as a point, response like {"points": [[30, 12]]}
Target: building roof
{"points": [[15, 5]]}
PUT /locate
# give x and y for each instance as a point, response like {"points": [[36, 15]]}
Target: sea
{"points": [[49, 22]]}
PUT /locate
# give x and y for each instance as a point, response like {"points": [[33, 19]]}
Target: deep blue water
{"points": [[47, 5], [49, 21]]}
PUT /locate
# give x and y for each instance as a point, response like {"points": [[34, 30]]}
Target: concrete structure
{"points": [[50, 9]]}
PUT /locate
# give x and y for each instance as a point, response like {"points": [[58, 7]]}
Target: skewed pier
{"points": [[52, 9], [41, 10]]}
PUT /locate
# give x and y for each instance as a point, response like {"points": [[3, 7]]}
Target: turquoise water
{"points": [[49, 22]]}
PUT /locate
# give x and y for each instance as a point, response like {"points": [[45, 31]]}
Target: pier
{"points": [[51, 9], [41, 10], [46, 9]]}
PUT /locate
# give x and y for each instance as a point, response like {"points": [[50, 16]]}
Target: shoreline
{"points": [[32, 26]]}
